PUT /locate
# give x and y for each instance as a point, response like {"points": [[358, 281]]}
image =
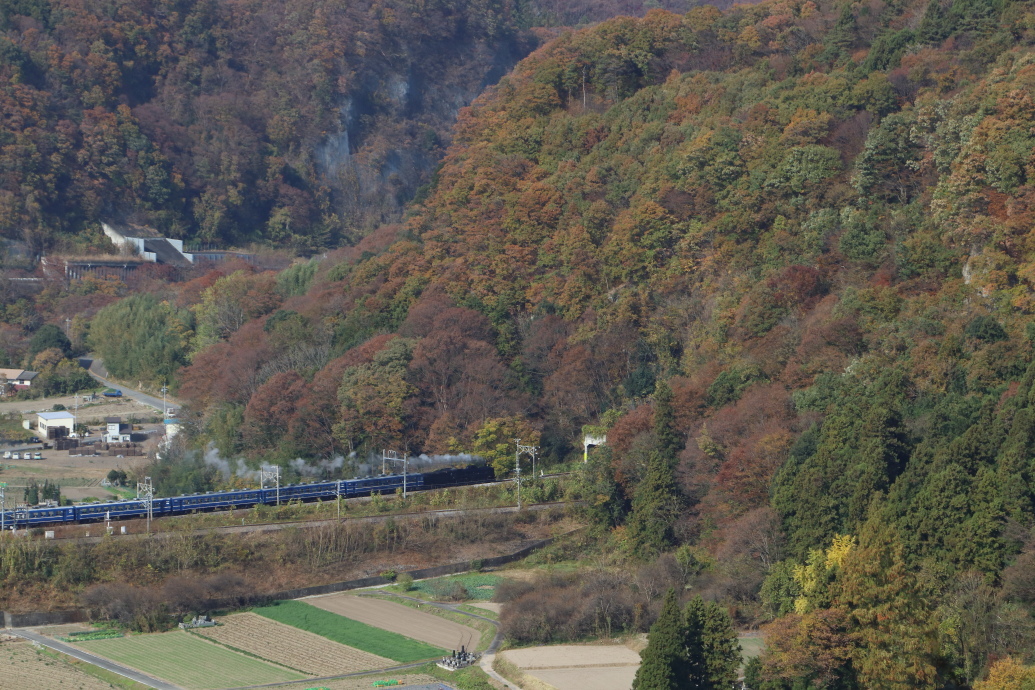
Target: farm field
{"points": [[291, 647], [350, 632], [476, 586], [185, 660], [367, 682], [576, 667], [400, 619], [488, 606], [24, 668]]}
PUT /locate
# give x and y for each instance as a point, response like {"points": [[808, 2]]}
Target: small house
{"points": [[117, 431], [16, 379], [55, 425]]}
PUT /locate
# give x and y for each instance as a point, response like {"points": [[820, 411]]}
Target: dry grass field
{"points": [[399, 619], [487, 605], [576, 667], [291, 647], [24, 668]]}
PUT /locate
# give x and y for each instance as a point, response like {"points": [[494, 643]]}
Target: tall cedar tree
{"points": [[654, 509], [664, 661], [669, 441], [721, 650], [713, 653], [694, 616], [898, 637]]}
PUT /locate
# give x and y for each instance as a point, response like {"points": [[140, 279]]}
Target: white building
{"points": [[54, 425], [117, 432]]}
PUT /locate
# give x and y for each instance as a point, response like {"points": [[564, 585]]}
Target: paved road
{"points": [[95, 660], [136, 395]]}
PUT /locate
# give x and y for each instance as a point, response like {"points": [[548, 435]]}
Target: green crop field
{"points": [[473, 586], [349, 632], [188, 661]]}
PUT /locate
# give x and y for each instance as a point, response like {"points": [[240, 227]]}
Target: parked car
{"points": [[7, 455], [115, 393], [37, 456], [16, 456], [34, 439]]}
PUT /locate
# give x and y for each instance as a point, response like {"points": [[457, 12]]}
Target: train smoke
{"points": [[321, 468], [214, 459]]}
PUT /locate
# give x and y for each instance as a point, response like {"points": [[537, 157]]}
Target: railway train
{"points": [[247, 498]]}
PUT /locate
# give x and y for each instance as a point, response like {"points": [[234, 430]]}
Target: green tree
{"points": [[49, 336], [670, 441], [655, 508], [607, 503], [720, 651], [494, 441], [898, 642], [664, 660], [142, 338]]}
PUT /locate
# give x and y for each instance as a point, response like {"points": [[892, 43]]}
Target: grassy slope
{"points": [[349, 632]]}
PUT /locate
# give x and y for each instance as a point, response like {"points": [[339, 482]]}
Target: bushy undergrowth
{"points": [[179, 573]]}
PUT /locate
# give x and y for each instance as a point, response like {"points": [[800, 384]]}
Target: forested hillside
{"points": [[238, 121], [233, 122], [782, 255]]}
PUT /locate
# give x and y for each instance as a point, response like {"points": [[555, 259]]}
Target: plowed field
{"points": [[287, 645], [399, 619], [23, 668], [576, 667]]}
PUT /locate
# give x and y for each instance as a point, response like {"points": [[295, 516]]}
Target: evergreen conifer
{"points": [[663, 665], [654, 509], [669, 441], [720, 648]]}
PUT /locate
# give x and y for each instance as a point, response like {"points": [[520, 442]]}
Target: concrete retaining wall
{"points": [[27, 620]]}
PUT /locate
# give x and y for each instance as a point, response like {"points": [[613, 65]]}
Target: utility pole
{"points": [[337, 493], [146, 493], [165, 407], [531, 451], [392, 456], [271, 472], [75, 416], [3, 507]]}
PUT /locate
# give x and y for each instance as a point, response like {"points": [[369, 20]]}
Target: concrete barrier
{"points": [[33, 619]]}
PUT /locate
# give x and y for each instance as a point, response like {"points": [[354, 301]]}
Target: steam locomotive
{"points": [[246, 498]]}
